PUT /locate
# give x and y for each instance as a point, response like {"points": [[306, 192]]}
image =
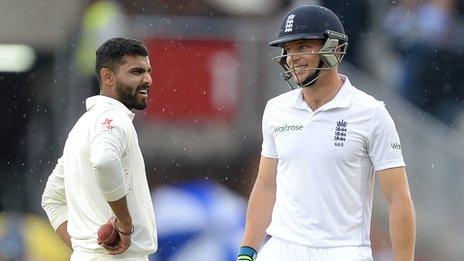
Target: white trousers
{"points": [[126, 256], [277, 250]]}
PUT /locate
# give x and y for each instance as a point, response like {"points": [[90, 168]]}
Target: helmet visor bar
{"points": [[339, 53]]}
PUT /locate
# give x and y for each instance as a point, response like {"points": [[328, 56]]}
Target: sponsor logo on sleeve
{"points": [[395, 146], [107, 124]]}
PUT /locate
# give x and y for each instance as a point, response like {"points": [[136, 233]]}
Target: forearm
{"points": [[402, 229], [62, 232], [259, 214], [121, 211]]}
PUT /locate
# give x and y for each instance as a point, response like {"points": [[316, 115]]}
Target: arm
{"points": [[54, 202], [261, 202], [394, 184], [124, 225], [121, 211], [106, 149], [109, 177], [62, 232]]}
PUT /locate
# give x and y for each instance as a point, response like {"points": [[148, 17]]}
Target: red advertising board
{"points": [[193, 80]]}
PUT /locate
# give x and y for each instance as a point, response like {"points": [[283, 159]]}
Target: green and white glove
{"points": [[246, 254]]}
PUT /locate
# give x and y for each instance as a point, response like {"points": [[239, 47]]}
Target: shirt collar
{"points": [[341, 100], [99, 99]]}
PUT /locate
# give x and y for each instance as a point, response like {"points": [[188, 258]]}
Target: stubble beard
{"points": [[129, 98]]}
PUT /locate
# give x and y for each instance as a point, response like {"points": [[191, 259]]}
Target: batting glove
{"points": [[246, 254]]}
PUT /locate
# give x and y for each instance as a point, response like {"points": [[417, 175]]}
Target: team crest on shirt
{"points": [[107, 124], [340, 133]]}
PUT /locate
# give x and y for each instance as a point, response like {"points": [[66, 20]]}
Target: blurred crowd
{"points": [[427, 38]]}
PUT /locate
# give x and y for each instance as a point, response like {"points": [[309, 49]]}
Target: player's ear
{"points": [[107, 76]]}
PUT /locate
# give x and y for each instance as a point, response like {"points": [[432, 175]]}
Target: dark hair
{"points": [[109, 54]]}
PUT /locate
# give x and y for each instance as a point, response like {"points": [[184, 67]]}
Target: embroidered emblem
{"points": [[340, 133], [107, 124], [289, 23]]}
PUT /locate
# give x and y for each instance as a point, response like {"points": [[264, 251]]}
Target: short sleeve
{"points": [[268, 148], [54, 196], [384, 146], [106, 149]]}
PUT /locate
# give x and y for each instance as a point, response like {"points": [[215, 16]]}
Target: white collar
{"points": [[341, 100], [92, 101]]}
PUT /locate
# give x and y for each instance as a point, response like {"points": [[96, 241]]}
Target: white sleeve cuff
{"points": [[116, 194], [268, 154], [57, 214], [389, 165]]}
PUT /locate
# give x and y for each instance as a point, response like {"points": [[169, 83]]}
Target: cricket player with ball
{"points": [[100, 178], [323, 144]]}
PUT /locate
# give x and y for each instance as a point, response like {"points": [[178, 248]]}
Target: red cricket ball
{"points": [[108, 234]]}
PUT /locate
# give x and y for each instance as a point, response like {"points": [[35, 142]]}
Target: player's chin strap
{"points": [[310, 80]]}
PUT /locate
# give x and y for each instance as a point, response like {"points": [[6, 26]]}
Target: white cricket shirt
{"points": [[326, 164], [101, 162]]}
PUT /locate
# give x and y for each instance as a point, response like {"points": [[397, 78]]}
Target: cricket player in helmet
{"points": [[323, 146]]}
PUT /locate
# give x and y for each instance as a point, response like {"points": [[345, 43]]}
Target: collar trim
{"points": [[94, 100]]}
